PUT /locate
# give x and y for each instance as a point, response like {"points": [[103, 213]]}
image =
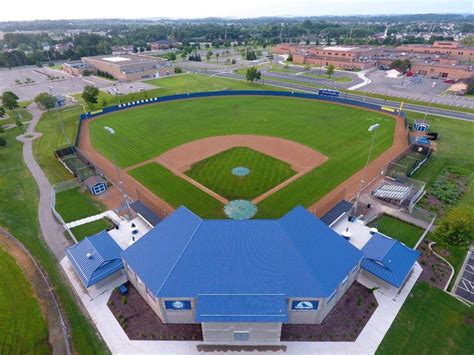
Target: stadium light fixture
{"points": [[371, 129]]}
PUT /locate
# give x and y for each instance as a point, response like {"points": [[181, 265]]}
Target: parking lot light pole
{"points": [[111, 132], [373, 129]]}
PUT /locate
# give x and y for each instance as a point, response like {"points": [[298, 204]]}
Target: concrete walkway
{"points": [[51, 230], [95, 301], [366, 80], [109, 214]]}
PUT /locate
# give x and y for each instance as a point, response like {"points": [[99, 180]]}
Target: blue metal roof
{"points": [[332, 215], [242, 308], [297, 255], [388, 259], [104, 258], [139, 207]]}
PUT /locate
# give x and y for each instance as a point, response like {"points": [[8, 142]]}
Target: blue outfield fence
{"points": [[193, 95]]}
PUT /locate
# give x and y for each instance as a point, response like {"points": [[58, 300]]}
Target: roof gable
{"points": [[95, 258], [388, 259], [297, 255]]}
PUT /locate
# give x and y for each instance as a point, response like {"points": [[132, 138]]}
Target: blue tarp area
{"points": [[94, 258], [388, 259], [242, 308]]}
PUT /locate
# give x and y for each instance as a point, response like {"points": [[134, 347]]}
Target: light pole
{"points": [[373, 129], [111, 132]]}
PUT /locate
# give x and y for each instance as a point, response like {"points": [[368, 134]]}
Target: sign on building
{"points": [[177, 305], [304, 305]]}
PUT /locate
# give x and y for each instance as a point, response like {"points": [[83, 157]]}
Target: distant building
{"points": [[449, 48], [162, 44], [77, 67], [130, 67], [122, 49], [62, 47]]}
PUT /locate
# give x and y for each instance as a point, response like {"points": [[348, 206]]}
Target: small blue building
{"points": [[96, 185], [95, 258], [388, 259]]}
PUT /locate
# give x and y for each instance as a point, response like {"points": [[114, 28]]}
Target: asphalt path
{"points": [[393, 104]]}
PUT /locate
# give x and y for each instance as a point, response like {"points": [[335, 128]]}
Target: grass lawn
{"points": [[20, 217], [54, 137], [22, 327], [265, 172], [85, 230], [74, 204], [430, 322], [176, 191], [158, 128], [340, 79], [397, 229]]}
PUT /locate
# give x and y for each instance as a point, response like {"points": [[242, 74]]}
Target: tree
{"points": [[90, 94], [45, 100], [217, 57], [171, 56], [470, 86], [468, 40], [2, 111], [457, 227], [209, 55], [178, 70], [290, 57], [402, 65], [330, 70], [252, 74], [9, 100]]}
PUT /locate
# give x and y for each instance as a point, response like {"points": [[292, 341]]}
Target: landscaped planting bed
{"points": [[446, 190], [140, 322], [343, 323], [435, 270]]}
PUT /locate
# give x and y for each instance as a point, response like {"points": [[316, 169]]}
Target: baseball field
{"points": [[143, 134]]}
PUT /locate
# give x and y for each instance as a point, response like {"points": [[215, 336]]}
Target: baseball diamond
{"points": [[337, 132]]}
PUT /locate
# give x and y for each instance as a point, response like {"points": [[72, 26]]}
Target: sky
{"points": [[85, 9]]}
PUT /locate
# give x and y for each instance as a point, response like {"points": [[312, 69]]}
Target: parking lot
{"points": [[419, 88], [27, 82], [465, 287]]}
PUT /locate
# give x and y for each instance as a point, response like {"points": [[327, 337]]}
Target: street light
{"points": [[111, 132], [373, 129]]}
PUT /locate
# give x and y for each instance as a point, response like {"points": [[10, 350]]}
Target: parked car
{"points": [[449, 81], [460, 93]]}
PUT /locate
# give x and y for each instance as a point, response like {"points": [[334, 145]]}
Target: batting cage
{"points": [[76, 163]]}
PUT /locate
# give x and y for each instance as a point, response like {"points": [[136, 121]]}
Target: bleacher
{"points": [[392, 193]]}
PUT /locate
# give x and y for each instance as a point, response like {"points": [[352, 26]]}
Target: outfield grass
{"points": [[20, 216], [148, 131], [397, 229], [430, 322], [88, 229], [265, 172], [23, 329], [176, 191], [74, 204], [58, 131]]}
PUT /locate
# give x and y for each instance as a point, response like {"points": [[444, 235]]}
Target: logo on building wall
{"points": [[304, 305], [178, 305]]}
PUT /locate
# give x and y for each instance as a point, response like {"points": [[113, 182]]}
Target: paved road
{"points": [[465, 287], [394, 104], [51, 230]]}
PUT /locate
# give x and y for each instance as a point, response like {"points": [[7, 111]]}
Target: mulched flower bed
{"points": [[140, 322], [435, 271], [343, 323]]}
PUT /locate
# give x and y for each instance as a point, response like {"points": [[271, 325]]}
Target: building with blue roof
{"points": [[388, 259], [95, 258], [241, 279]]}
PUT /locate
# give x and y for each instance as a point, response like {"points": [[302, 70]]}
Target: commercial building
{"points": [[448, 48], [241, 280], [345, 57], [162, 44], [77, 67], [122, 49], [130, 67]]}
